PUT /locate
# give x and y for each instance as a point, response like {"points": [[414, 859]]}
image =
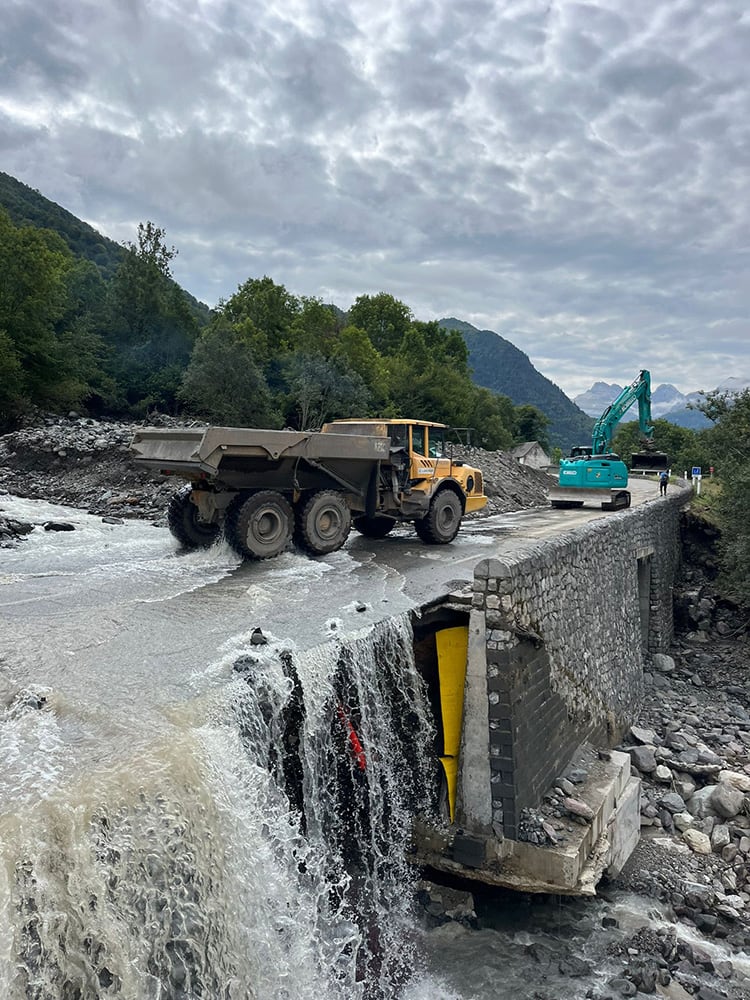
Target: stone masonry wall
{"points": [[566, 622]]}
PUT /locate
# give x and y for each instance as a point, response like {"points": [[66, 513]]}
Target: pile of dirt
{"points": [[508, 485]]}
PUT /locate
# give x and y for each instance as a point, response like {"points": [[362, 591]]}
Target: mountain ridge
{"points": [[503, 368], [667, 401]]}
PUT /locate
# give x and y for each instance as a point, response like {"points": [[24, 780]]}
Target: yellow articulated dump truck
{"points": [[265, 488]]}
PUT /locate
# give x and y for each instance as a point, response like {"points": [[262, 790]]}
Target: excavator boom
{"points": [[639, 390]]}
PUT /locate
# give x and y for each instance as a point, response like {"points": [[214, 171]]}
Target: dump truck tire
{"points": [[441, 523], [259, 526], [186, 524], [323, 523], [373, 527]]}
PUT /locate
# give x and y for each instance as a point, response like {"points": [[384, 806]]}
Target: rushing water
{"points": [[236, 828], [187, 813]]}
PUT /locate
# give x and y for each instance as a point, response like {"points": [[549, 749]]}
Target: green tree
{"points": [[314, 329], [384, 319], [271, 310], [530, 424], [152, 329], [728, 442], [491, 420], [47, 357], [12, 397], [139, 290], [224, 384], [322, 389]]}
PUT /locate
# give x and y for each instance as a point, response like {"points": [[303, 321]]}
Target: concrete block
{"points": [[469, 851]]}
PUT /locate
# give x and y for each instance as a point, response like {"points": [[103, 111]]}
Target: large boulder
{"points": [[700, 804], [726, 800]]}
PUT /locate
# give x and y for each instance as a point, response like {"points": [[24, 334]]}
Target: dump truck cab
{"points": [[421, 457]]}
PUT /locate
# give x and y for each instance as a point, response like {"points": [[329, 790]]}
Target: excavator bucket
{"points": [[649, 461]]}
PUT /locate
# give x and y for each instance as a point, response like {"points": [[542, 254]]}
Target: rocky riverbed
{"points": [[691, 748]]}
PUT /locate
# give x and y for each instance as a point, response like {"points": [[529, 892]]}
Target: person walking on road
{"points": [[663, 482]]}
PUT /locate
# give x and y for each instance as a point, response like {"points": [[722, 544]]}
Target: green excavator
{"points": [[594, 472]]}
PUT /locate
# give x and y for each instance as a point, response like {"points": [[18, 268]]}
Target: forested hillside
{"points": [[27, 207], [500, 366], [104, 329]]}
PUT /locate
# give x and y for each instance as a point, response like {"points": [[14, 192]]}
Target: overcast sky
{"points": [[575, 176]]}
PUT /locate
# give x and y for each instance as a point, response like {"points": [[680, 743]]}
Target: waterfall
{"points": [[256, 849]]}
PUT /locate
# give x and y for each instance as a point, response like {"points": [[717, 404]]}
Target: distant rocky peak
{"points": [[596, 399]]}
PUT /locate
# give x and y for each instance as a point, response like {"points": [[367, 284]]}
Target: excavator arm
{"points": [[638, 391]]}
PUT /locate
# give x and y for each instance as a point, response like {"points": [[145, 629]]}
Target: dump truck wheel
{"points": [[186, 523], [441, 523], [323, 523], [373, 527], [260, 526]]}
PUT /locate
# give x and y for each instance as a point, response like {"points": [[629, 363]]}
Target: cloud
{"points": [[572, 175]]}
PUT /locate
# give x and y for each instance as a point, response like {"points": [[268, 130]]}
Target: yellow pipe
{"points": [[452, 651]]}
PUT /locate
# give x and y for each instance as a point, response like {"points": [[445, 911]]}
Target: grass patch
{"points": [[706, 504]]}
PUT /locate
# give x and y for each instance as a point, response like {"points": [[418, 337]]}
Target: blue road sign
{"points": [[696, 471]]}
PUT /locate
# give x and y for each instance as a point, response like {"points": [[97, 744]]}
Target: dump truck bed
{"points": [[243, 458], [206, 449]]}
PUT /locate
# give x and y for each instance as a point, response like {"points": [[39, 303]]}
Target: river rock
{"points": [[574, 966], [578, 808], [736, 779], [720, 837], [565, 786], [700, 803], [673, 802], [729, 853], [624, 987], [684, 785], [443, 904], [663, 774], [59, 526], [663, 663], [11, 530], [644, 758], [642, 735], [726, 800], [734, 900], [683, 820], [688, 762], [698, 842], [674, 991]]}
